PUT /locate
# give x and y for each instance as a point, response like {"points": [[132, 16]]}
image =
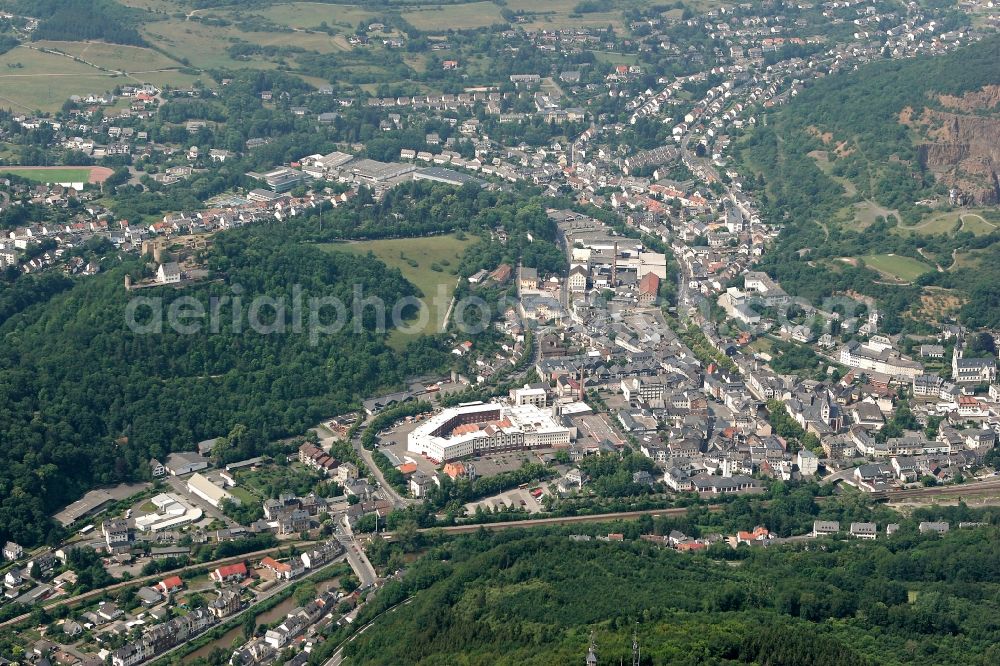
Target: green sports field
{"points": [[902, 268], [56, 175]]}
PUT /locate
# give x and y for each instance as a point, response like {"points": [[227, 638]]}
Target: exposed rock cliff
{"points": [[963, 149]]}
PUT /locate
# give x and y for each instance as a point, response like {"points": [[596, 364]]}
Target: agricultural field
{"points": [[905, 269], [456, 17], [559, 14], [417, 259], [320, 42], [201, 45], [142, 65], [113, 56], [169, 6], [31, 80], [555, 14], [205, 47], [311, 14]]}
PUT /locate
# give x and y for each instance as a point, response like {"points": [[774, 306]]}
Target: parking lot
{"points": [[593, 428], [393, 444]]}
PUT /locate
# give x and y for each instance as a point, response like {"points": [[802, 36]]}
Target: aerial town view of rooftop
{"points": [[475, 332]]}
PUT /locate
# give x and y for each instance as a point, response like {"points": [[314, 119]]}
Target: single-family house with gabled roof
{"points": [[864, 530], [825, 527], [12, 551], [230, 573], [939, 527], [169, 585]]}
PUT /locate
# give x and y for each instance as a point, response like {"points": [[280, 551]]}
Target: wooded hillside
{"points": [[86, 401], [511, 598]]}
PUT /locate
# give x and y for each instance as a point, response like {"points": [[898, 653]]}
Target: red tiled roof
{"points": [[232, 569], [275, 565], [172, 583], [649, 284]]}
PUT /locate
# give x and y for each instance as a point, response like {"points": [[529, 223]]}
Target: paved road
{"points": [[398, 501], [356, 556], [842, 475]]}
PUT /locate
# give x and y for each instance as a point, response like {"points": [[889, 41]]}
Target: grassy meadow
{"points": [[427, 263]]}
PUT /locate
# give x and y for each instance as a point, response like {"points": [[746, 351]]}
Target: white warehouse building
{"points": [[208, 491], [478, 428]]}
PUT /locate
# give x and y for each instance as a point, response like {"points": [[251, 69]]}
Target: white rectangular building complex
{"points": [[479, 428]]}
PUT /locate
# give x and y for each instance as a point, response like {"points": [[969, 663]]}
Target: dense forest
{"points": [[84, 400], [882, 165], [534, 598], [70, 20]]}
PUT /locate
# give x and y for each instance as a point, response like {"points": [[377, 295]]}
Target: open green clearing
{"points": [[201, 45], [939, 223], [205, 46], [866, 212], [822, 159], [616, 58], [67, 175], [948, 221], [902, 268], [967, 259], [270, 481], [245, 497], [170, 6], [416, 259], [976, 224]]}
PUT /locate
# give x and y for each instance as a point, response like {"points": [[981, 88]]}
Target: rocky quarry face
{"points": [[963, 146]]}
